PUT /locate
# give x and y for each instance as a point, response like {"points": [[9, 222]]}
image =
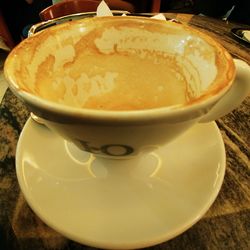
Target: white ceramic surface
{"points": [[120, 204]]}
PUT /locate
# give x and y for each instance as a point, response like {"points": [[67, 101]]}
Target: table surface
{"points": [[225, 226]]}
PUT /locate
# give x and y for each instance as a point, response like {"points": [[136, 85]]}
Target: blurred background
{"points": [[16, 16]]}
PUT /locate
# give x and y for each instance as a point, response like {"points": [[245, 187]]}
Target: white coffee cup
{"points": [[203, 64]]}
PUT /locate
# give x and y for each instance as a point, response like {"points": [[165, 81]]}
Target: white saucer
{"points": [[120, 204]]}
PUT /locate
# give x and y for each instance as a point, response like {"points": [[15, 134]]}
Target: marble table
{"points": [[225, 226]]}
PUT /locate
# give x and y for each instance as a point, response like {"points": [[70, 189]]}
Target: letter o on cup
{"points": [[117, 150]]}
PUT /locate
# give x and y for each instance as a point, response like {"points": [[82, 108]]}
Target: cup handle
{"points": [[235, 96]]}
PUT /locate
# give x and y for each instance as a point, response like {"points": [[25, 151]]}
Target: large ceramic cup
{"points": [[119, 86]]}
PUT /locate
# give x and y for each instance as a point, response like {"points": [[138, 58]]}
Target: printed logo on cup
{"points": [[108, 149]]}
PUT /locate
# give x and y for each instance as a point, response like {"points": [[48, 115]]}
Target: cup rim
{"points": [[130, 115]]}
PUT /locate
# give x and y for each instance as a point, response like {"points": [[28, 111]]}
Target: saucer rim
{"points": [[236, 31]]}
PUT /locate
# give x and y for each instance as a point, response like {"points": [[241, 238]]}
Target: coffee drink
{"points": [[113, 65], [113, 82]]}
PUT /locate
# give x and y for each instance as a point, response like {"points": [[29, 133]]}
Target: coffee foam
{"points": [[195, 54], [81, 64]]}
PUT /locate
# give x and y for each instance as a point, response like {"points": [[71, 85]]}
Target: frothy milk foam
{"points": [[117, 64]]}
